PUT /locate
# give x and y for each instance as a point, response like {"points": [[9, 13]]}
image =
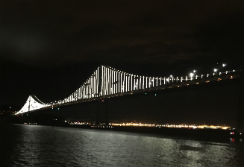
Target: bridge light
{"points": [[224, 65], [191, 74]]}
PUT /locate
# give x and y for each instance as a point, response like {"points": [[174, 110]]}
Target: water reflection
{"points": [[56, 146]]}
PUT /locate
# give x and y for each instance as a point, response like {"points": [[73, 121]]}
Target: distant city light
{"points": [[215, 69], [139, 124]]}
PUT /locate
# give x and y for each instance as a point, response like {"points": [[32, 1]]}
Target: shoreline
{"points": [[216, 135]]}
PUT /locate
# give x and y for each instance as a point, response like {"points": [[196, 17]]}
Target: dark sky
{"points": [[48, 48]]}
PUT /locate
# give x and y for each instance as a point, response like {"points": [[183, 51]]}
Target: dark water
{"points": [[32, 145]]}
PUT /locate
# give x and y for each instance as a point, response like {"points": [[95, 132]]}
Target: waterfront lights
{"points": [[153, 125], [188, 126]]}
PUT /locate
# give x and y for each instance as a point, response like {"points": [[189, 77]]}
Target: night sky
{"points": [[48, 48]]}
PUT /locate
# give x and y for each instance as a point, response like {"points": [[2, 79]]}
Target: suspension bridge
{"points": [[108, 82]]}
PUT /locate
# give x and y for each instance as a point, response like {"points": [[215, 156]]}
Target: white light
{"points": [[224, 65], [215, 69], [194, 71], [31, 104], [191, 74]]}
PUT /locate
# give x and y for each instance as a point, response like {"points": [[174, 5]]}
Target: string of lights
{"points": [[106, 82]]}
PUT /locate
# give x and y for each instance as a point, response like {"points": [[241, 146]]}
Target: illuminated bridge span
{"points": [[107, 82]]}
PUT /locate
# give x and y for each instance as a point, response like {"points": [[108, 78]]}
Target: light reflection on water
{"points": [[27, 145]]}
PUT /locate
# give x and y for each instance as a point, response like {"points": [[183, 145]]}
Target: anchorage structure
{"points": [[106, 82]]}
